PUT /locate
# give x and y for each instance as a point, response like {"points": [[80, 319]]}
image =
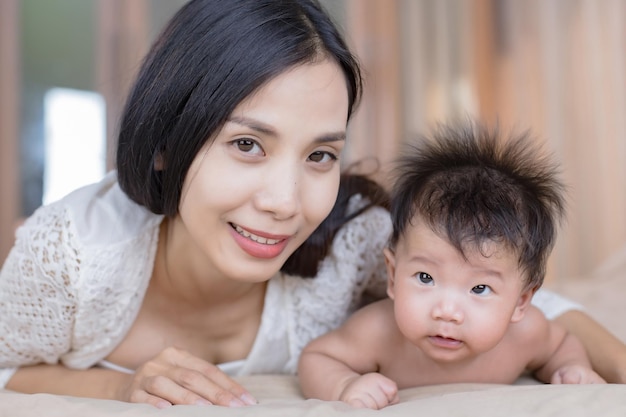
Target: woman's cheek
{"points": [[320, 201]]}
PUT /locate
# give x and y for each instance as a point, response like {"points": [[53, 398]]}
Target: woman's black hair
{"points": [[211, 56]]}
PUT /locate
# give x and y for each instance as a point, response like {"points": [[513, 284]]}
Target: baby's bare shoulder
{"points": [[375, 321], [532, 330]]}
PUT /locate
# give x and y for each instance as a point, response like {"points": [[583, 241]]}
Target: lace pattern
{"points": [[67, 300], [38, 300]]}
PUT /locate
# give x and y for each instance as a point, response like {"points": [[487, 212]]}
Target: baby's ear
{"points": [[390, 262], [522, 304]]}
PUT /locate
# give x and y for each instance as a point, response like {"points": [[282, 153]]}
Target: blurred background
{"points": [[557, 67]]}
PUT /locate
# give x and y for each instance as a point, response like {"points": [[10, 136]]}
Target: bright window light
{"points": [[75, 147]]}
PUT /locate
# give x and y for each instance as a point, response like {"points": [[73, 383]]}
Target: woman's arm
{"points": [[607, 353], [92, 383], [172, 377]]}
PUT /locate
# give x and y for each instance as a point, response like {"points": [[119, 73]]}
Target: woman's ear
{"points": [[390, 262], [522, 304]]}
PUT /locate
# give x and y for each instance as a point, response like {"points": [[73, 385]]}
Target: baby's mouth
{"points": [[446, 342]]}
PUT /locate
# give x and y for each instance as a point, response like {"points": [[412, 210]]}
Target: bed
{"points": [[602, 292]]}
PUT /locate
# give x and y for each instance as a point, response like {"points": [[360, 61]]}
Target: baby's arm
{"points": [[341, 365], [563, 359]]}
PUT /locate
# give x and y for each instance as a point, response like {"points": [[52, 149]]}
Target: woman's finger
{"points": [[144, 397], [213, 373], [215, 386], [173, 392], [192, 384]]}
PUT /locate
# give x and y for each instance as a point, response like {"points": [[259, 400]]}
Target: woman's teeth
{"points": [[256, 238]]}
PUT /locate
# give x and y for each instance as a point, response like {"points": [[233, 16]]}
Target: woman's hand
{"points": [[177, 377]]}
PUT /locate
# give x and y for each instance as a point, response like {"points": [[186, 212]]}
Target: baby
{"points": [[474, 221]]}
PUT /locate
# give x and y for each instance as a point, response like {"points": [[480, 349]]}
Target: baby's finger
{"points": [[365, 401], [390, 389], [374, 400], [596, 379], [570, 378], [556, 378], [357, 403], [381, 399]]}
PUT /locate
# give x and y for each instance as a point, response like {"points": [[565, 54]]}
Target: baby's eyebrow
{"points": [[490, 272], [421, 258]]}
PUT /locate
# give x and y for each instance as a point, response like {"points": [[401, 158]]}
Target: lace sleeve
{"points": [[375, 229], [37, 297]]}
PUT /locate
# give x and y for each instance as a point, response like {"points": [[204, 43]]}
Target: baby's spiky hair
{"points": [[472, 186]]}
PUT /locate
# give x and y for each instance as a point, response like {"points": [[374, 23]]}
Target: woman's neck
{"points": [[182, 272]]}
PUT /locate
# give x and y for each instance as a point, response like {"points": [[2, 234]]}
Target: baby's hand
{"points": [[371, 390], [576, 374]]}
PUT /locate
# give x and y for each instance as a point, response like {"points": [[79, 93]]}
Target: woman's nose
{"points": [[280, 193]]}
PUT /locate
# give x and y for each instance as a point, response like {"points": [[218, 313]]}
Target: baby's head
{"points": [[474, 189]]}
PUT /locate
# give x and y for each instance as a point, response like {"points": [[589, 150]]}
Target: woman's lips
{"points": [[259, 244]]}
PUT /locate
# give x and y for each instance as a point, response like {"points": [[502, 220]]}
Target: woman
{"points": [[185, 257]]}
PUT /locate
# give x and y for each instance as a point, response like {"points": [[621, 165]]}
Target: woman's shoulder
{"points": [[93, 241], [98, 214]]}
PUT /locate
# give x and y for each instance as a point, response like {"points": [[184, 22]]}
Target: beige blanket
{"points": [[603, 293], [279, 396]]}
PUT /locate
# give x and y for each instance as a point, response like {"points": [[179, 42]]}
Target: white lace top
{"points": [[73, 284]]}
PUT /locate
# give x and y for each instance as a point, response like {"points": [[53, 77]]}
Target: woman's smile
{"points": [[259, 244], [257, 237]]}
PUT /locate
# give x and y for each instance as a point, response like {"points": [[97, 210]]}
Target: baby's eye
{"points": [[248, 146], [425, 278], [481, 289], [322, 157]]}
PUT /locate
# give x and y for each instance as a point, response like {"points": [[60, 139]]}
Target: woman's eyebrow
{"points": [[268, 130], [253, 124]]}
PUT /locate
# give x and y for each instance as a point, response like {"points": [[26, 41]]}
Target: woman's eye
{"points": [[424, 278], [322, 157], [248, 146], [481, 289]]}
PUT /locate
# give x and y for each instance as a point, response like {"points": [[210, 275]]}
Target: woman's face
{"points": [[255, 193]]}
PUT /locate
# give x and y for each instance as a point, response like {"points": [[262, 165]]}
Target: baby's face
{"points": [[451, 307]]}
